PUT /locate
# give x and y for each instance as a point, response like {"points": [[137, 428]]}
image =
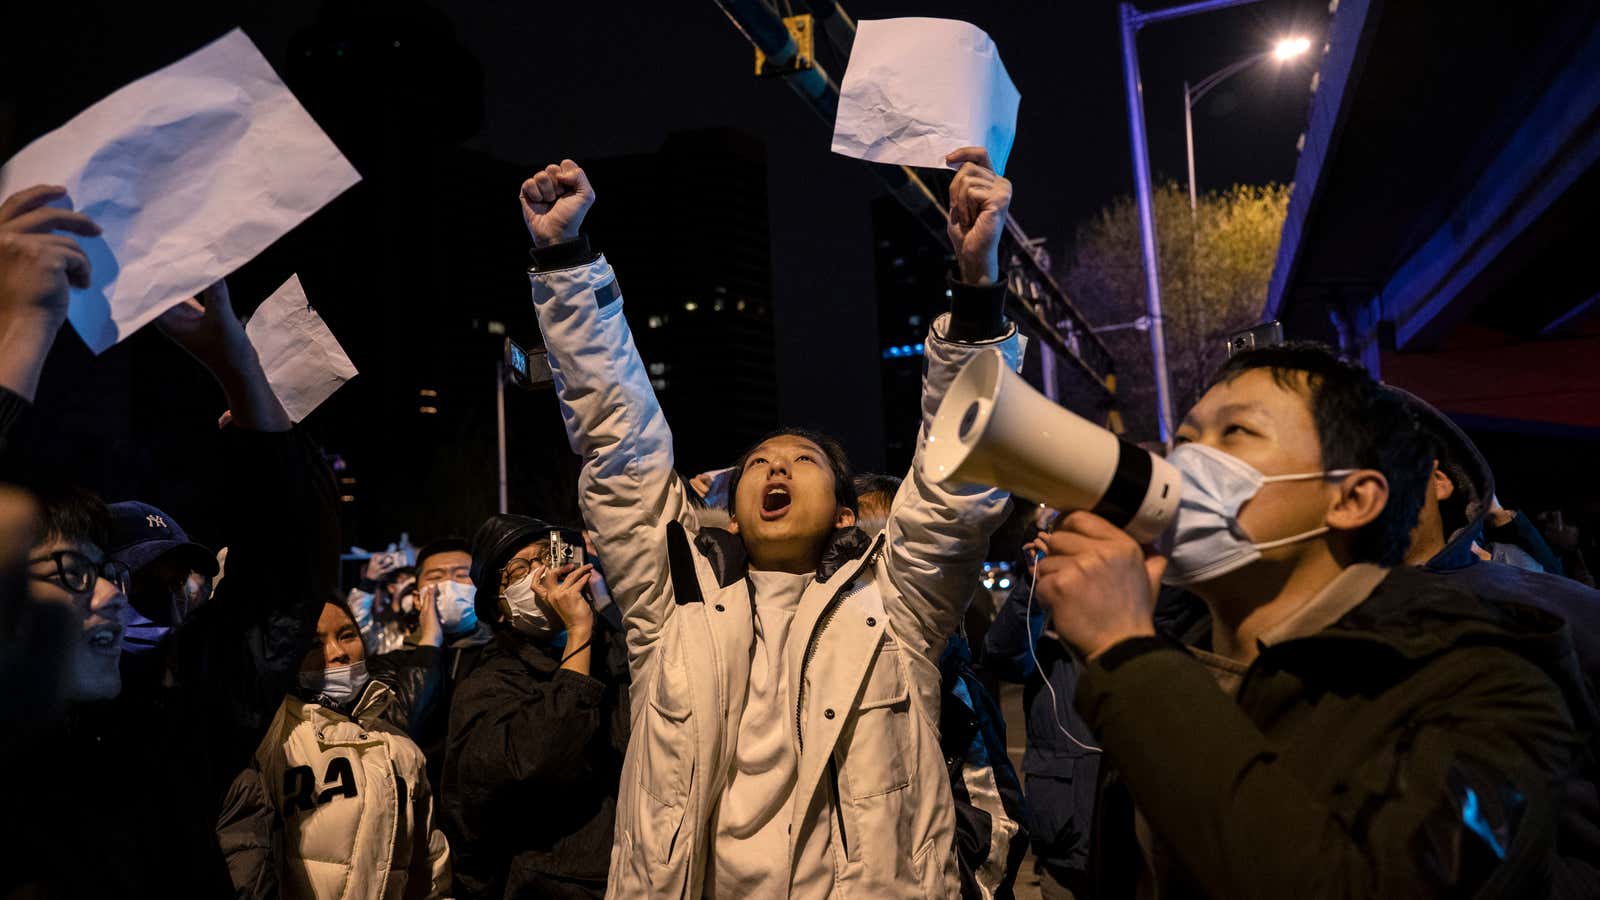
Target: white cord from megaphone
{"points": [[1055, 702]]}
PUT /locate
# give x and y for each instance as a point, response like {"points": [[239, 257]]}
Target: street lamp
{"points": [[1285, 50]]}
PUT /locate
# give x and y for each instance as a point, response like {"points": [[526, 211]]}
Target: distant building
{"points": [[694, 259], [911, 270]]}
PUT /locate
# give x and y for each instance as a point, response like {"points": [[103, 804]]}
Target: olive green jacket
{"points": [[1420, 746]]}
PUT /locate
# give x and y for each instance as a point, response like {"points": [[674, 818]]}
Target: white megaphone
{"points": [[994, 429]]}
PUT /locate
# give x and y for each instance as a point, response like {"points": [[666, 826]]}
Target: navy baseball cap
{"points": [[141, 533]]}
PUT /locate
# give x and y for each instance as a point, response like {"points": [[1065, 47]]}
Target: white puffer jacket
{"points": [[335, 806], [865, 642]]}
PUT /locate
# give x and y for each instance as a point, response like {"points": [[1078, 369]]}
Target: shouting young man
{"points": [[785, 699]]}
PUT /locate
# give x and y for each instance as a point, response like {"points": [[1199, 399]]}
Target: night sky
{"points": [[604, 78]]}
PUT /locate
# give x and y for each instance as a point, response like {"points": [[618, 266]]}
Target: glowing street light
{"points": [[1289, 48], [1285, 50]]}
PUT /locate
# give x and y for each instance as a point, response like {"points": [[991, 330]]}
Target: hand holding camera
{"points": [[563, 590]]}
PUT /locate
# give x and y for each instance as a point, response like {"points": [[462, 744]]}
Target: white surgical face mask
{"points": [[526, 612], [337, 686], [456, 603], [1206, 540]]}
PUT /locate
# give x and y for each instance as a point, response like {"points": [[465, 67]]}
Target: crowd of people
{"points": [[1346, 671]]}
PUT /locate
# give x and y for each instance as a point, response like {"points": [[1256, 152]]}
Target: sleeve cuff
{"points": [[563, 255], [426, 656], [1132, 648], [977, 312]]}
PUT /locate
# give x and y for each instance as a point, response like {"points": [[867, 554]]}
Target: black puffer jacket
{"points": [[530, 778]]}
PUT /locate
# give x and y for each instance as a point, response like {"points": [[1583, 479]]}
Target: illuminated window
{"points": [[654, 322], [659, 384], [658, 368], [690, 306]]}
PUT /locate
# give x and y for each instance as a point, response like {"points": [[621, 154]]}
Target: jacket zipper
{"points": [[816, 633]]}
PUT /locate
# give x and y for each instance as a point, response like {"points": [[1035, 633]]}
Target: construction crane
{"points": [[785, 48]]}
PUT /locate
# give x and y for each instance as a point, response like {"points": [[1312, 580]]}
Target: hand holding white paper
{"points": [[191, 171], [303, 361], [917, 89]]}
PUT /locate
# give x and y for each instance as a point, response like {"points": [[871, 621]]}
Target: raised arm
{"points": [[281, 528], [937, 534], [38, 266], [628, 489]]}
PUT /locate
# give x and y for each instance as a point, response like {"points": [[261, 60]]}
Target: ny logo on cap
{"points": [[155, 521]]}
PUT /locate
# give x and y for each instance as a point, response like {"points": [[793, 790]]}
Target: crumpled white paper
{"points": [[191, 171], [918, 88], [303, 360]]}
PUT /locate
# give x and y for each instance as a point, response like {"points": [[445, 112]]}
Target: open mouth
{"points": [[104, 638], [774, 502]]}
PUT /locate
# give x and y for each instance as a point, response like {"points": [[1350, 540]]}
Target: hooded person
{"points": [[541, 723], [169, 577], [785, 703], [1455, 512], [336, 800]]}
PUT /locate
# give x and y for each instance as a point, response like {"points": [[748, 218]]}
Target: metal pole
{"points": [[500, 425], [1188, 138], [1147, 225]]}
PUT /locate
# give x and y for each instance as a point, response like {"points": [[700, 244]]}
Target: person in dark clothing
{"points": [[444, 582], [144, 772], [1457, 508], [538, 730], [1344, 725], [1060, 762], [1512, 535], [169, 577]]}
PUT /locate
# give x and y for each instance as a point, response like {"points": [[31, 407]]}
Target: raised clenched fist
{"points": [[979, 200], [554, 202]]}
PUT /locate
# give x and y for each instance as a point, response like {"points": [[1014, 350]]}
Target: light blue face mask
{"points": [[458, 611], [338, 686], [1206, 540], [139, 634]]}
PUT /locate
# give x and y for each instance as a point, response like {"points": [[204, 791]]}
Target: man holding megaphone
{"points": [[1377, 732]]}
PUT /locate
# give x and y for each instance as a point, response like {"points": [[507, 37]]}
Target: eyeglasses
{"points": [[78, 573], [515, 571]]}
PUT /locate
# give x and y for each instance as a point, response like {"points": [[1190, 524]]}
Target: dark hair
{"points": [[1359, 426], [844, 488], [874, 483], [344, 608], [395, 575], [442, 545], [70, 513]]}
